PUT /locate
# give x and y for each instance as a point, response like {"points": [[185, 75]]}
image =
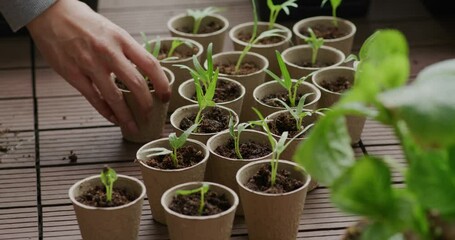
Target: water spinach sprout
{"points": [[175, 142], [108, 177], [236, 135], [286, 81], [201, 190], [199, 15], [298, 113], [254, 40], [276, 9], [174, 45], [315, 43], [335, 4]]}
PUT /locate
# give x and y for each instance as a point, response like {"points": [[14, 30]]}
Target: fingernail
{"points": [[113, 119], [132, 127], [165, 97]]}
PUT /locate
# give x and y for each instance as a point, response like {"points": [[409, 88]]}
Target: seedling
{"points": [[236, 135], [335, 4], [286, 81], [108, 177], [204, 82], [276, 9], [175, 142], [174, 45], [201, 190], [298, 113], [315, 43], [254, 40], [148, 45], [199, 15]]}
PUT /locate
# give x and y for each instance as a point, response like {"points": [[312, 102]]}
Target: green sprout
{"points": [[254, 40], [175, 142], [335, 4], [204, 82], [108, 177], [174, 45], [286, 81], [315, 43], [276, 9], [148, 45], [298, 113], [202, 190], [236, 135], [198, 15]]}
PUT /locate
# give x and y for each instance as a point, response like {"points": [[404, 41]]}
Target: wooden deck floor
{"points": [[47, 119]]}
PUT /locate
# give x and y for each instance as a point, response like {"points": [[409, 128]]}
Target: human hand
{"points": [[85, 47]]}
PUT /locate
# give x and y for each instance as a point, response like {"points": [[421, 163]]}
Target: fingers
{"points": [[149, 65]]}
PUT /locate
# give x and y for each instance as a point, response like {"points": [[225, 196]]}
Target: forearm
{"points": [[19, 13]]}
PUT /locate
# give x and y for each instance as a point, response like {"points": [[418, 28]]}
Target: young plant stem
{"points": [[251, 42], [201, 190]]}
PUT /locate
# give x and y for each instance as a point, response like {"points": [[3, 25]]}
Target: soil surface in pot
{"points": [[285, 122], [340, 85], [187, 156], [163, 54], [210, 27], [214, 120], [324, 31], [246, 37], [283, 96], [96, 197], [189, 204], [284, 182], [318, 64], [248, 150], [225, 91], [244, 69], [123, 86]]}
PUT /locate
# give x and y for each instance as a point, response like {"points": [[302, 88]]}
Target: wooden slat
{"points": [[394, 152], [17, 188], [21, 150], [375, 133], [16, 115], [15, 83], [50, 84], [68, 112], [19, 223], [15, 52]]}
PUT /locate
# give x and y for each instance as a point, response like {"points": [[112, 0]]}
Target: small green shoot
{"points": [[108, 177], [199, 15], [254, 40], [298, 113], [315, 43], [286, 81], [236, 135], [335, 4], [148, 45], [201, 190], [276, 9], [175, 142], [175, 44]]}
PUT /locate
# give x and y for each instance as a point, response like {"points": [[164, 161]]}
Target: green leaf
{"points": [[327, 152], [365, 189], [108, 176], [281, 145], [381, 231], [158, 151], [178, 142]]}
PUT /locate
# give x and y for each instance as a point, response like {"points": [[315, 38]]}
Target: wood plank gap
{"points": [[75, 128]]}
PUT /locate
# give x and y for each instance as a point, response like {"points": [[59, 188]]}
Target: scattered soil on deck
{"points": [[284, 182], [187, 156], [189, 204], [248, 150], [96, 197]]}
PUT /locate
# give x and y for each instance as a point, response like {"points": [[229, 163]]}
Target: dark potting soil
{"points": [[96, 197], [187, 156], [324, 31], [248, 150], [316, 65], [189, 205], [206, 28], [225, 91], [123, 86], [245, 68], [340, 85], [177, 54], [283, 96], [284, 123], [284, 182], [246, 36], [214, 120]]}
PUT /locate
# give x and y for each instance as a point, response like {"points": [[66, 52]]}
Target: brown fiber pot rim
{"points": [[78, 183], [183, 15], [337, 52], [212, 151], [235, 29], [199, 218], [169, 74], [192, 141], [256, 55], [275, 114], [297, 26], [315, 83], [189, 81], [170, 39], [239, 172]]}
